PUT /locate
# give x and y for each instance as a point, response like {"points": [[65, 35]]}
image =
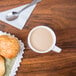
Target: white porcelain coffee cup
{"points": [[53, 47]]}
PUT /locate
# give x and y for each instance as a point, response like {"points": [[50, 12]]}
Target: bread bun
{"points": [[2, 66], [9, 46]]}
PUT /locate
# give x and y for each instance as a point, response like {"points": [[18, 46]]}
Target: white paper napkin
{"points": [[21, 20]]}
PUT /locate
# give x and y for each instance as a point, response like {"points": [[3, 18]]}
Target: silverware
{"points": [[14, 15]]}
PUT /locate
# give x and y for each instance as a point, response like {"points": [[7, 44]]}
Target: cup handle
{"points": [[57, 49]]}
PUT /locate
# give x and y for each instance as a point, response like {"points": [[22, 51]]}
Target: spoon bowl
{"points": [[11, 16]]}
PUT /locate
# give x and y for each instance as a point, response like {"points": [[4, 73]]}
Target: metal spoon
{"points": [[14, 15]]}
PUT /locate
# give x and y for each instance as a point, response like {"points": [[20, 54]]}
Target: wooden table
{"points": [[60, 15]]}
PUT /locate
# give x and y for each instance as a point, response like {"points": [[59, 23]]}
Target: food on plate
{"points": [[9, 46], [2, 66]]}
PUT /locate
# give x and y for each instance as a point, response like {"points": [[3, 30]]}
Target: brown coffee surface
{"points": [[41, 39]]}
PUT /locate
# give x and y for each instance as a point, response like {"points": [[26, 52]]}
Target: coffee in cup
{"points": [[42, 39]]}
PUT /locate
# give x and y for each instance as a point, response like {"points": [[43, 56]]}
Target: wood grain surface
{"points": [[60, 15]]}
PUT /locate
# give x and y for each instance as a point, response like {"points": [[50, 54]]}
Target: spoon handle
{"points": [[32, 3]]}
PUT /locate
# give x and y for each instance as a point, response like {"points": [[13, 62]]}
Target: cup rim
{"points": [[51, 31]]}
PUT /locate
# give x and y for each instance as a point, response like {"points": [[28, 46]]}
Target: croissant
{"points": [[9, 46], [2, 66]]}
